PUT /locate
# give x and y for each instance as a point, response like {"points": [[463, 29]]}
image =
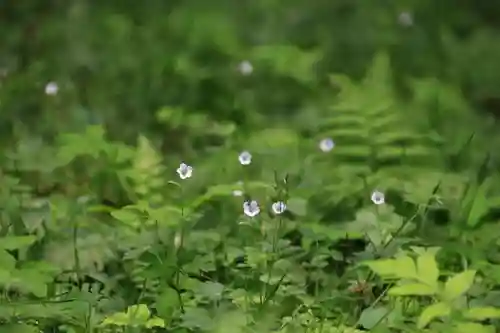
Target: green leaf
{"points": [[412, 289], [138, 313], [473, 327], [19, 328], [167, 302], [211, 290], [155, 322], [196, 318], [127, 216], [7, 261], [118, 319], [479, 205], [16, 242], [428, 271], [431, 312], [482, 313], [458, 284], [370, 317], [402, 267]]}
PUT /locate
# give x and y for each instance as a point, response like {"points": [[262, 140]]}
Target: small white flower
{"points": [[251, 208], [51, 88], [405, 19], [278, 207], [326, 145], [245, 67], [378, 197], [237, 193], [245, 158], [185, 171]]}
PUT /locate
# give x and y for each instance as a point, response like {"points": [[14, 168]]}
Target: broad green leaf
{"points": [[16, 242], [466, 327], [412, 289], [7, 261], [370, 317], [458, 284], [431, 312], [196, 318], [118, 319], [155, 322], [167, 302], [19, 328], [402, 267], [139, 313], [428, 271], [482, 313], [127, 216], [211, 290]]}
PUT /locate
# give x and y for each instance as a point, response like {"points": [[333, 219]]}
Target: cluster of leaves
{"points": [[98, 236]]}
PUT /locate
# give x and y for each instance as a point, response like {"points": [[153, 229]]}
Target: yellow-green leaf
{"points": [[482, 313], [118, 319], [431, 312], [412, 289], [428, 271], [139, 312], [458, 284], [402, 267], [405, 267], [466, 327], [155, 322]]}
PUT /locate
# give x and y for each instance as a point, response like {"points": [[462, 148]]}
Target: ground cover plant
{"points": [[266, 167], [254, 236]]}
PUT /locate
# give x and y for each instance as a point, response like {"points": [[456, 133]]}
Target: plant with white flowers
{"points": [[251, 208], [245, 158], [184, 171]]}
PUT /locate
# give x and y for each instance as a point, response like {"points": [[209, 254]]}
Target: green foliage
{"points": [[104, 229]]}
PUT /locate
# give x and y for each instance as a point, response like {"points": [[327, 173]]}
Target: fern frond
{"points": [[369, 127], [147, 171]]}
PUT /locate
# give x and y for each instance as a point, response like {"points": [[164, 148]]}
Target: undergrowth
{"points": [[273, 231]]}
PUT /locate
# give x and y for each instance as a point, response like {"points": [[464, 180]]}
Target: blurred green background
{"points": [[118, 63]]}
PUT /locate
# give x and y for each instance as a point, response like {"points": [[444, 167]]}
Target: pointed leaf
{"points": [[431, 312], [370, 317], [466, 327], [402, 267], [480, 204], [16, 242], [458, 284], [428, 270], [155, 322], [412, 289], [483, 313]]}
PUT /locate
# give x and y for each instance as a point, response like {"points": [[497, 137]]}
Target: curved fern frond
{"points": [[369, 126]]}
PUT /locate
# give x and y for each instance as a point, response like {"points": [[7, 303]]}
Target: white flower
{"points": [[51, 88], [251, 208], [278, 207], [245, 67], [185, 171], [237, 193], [245, 158], [378, 197], [405, 19], [326, 145]]}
